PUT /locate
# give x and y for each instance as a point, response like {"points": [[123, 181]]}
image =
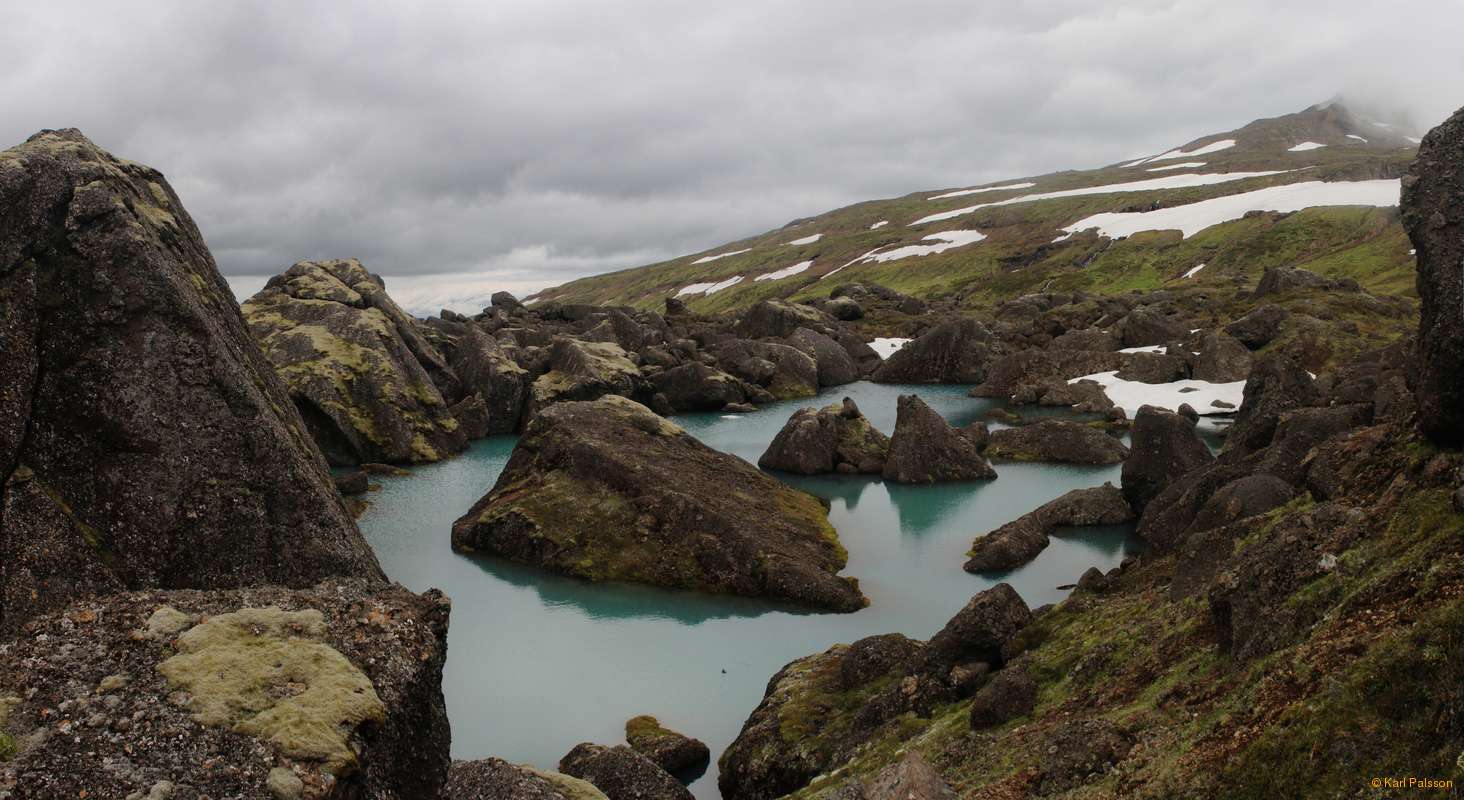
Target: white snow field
{"points": [[1202, 150], [1201, 395], [942, 242], [807, 239], [709, 288], [964, 192], [785, 272], [1149, 184], [1305, 146], [1355, 136], [1195, 217], [876, 226], [887, 347], [1181, 165], [1192, 271], [709, 259]]}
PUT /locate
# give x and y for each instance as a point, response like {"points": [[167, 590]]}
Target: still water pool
{"points": [[538, 663]]}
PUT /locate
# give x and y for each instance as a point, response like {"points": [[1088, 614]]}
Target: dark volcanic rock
{"points": [[1222, 359], [1100, 505], [874, 657], [622, 773], [1056, 440], [496, 779], [1164, 447], [1256, 329], [845, 308], [667, 749], [836, 366], [1433, 214], [357, 482], [1276, 385], [1283, 279], [954, 352], [99, 686], [144, 439], [586, 371], [608, 490], [358, 369], [926, 449], [1011, 693], [505, 301], [833, 438], [483, 367], [698, 387], [1153, 367], [1024, 367], [777, 319], [784, 371], [1241, 498], [978, 631], [1020, 540], [1144, 327]]}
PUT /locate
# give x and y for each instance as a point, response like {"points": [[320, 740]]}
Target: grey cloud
{"points": [[525, 143]]}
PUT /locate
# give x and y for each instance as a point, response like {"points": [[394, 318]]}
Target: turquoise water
{"points": [[538, 663]]}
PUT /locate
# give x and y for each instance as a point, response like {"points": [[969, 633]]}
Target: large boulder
{"points": [[357, 367], [230, 693], [1277, 280], [784, 371], [483, 367], [1256, 329], [1056, 440], [1163, 448], [144, 439], [954, 352], [621, 773], [1024, 367], [1276, 385], [836, 438], [1145, 327], [1433, 214], [1020, 540], [977, 632], [778, 319], [836, 366], [608, 490], [667, 749], [926, 449], [694, 386], [496, 779], [1221, 359], [1011, 693], [581, 370]]}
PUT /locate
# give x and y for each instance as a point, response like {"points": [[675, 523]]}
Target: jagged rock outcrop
{"points": [[926, 449], [784, 372], [667, 749], [230, 693], [144, 439], [608, 490], [836, 438], [485, 369], [622, 773], [1163, 448], [357, 368], [581, 370], [496, 779], [1276, 384], [1433, 196], [1258, 328], [1020, 540], [957, 351], [1056, 440]]}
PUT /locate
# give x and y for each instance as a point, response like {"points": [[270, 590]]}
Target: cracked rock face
{"points": [[144, 439]]}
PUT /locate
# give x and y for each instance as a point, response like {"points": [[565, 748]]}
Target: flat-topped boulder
{"points": [[332, 692], [835, 438], [144, 439], [926, 449], [608, 490], [1056, 440]]}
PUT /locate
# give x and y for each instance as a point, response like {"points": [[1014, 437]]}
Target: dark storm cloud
{"points": [[515, 145]]}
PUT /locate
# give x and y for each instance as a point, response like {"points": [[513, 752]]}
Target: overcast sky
{"points": [[458, 148]]}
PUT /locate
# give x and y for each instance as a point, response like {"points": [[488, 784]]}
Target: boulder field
{"points": [[609, 490]]}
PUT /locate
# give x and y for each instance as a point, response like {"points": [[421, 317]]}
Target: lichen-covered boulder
{"points": [[485, 369], [144, 439], [496, 779], [836, 438], [608, 490], [1433, 196], [581, 370], [356, 366], [958, 351], [978, 631], [621, 773], [667, 749], [1056, 440], [333, 692], [1163, 448], [836, 366], [926, 449], [784, 371]]}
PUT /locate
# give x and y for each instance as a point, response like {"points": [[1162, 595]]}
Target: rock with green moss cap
{"points": [[368, 384], [333, 691], [667, 749], [608, 490], [586, 371], [144, 439], [836, 438]]}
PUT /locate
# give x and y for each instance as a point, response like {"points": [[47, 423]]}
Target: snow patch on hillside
{"points": [[1149, 184], [1192, 271], [1355, 136], [1305, 146], [709, 288], [942, 242], [710, 259], [1203, 150], [887, 347], [807, 239], [1201, 395], [785, 272], [1195, 217], [876, 226], [964, 192], [1184, 165]]}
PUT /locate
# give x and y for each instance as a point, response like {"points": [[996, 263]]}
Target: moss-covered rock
{"points": [[1053, 440], [581, 370], [836, 438], [366, 381], [608, 490], [667, 749]]}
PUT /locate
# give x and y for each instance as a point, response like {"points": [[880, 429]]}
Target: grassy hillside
{"points": [[1019, 254]]}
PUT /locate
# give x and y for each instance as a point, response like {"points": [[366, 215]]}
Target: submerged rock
{"points": [[496, 779], [665, 748], [1056, 440], [926, 449], [356, 366], [608, 490], [144, 439], [622, 773], [836, 438], [231, 693]]}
